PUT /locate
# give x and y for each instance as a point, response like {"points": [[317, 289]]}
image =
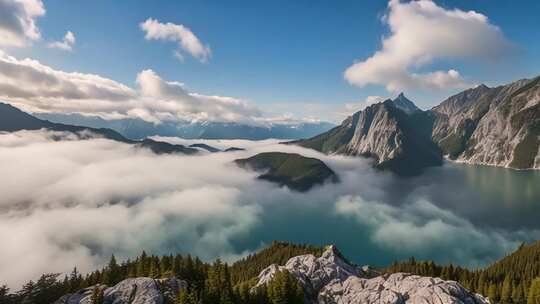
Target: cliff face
{"points": [[492, 126], [331, 279], [392, 133]]}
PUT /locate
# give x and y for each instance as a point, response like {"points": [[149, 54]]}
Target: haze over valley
{"points": [[271, 152]]}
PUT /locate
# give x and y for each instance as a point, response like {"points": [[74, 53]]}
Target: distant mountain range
{"points": [[138, 129], [13, 119], [489, 126]]}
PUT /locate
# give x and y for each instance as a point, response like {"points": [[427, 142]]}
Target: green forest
{"points": [[512, 280], [217, 282]]}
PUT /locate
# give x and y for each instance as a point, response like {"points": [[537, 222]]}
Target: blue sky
{"points": [[274, 54]]}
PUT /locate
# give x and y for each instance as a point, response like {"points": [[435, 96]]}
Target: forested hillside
{"points": [[207, 283], [510, 280]]}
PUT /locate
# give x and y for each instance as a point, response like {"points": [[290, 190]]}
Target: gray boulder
{"points": [[397, 288], [130, 291]]}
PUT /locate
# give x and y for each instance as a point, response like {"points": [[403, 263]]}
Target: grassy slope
{"points": [[292, 170]]}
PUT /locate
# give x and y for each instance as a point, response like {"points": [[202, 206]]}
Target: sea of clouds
{"points": [[68, 202]]}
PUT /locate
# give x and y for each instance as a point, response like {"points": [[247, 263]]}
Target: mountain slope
{"points": [[492, 126], [517, 269], [295, 171], [13, 119], [384, 132]]}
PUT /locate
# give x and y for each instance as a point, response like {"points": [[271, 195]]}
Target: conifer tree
{"points": [[493, 294], [518, 294], [534, 292], [285, 289], [506, 292], [97, 296]]}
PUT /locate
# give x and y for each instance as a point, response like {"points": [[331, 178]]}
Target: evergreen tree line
{"points": [[216, 283], [512, 280]]}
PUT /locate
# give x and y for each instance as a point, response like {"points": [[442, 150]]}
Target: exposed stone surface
{"points": [[396, 289], [83, 296], [314, 272], [129, 291], [490, 126], [331, 279], [392, 133]]}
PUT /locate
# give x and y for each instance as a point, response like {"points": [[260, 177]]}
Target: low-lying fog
{"points": [[75, 202]]}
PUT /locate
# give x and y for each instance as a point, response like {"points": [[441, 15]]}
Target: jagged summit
{"points": [[403, 103], [330, 279]]}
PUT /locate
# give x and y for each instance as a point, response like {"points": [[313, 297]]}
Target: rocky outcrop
{"points": [[331, 279], [492, 126], [489, 126], [314, 272], [392, 133], [130, 291], [398, 288]]}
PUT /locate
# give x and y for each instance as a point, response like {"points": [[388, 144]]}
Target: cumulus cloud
{"points": [[171, 97], [18, 21], [35, 87], [420, 33], [66, 44], [187, 41]]}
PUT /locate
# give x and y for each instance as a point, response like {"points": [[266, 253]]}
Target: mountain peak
{"points": [[403, 103]]}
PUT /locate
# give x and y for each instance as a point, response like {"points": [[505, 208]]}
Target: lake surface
{"points": [[491, 211]]}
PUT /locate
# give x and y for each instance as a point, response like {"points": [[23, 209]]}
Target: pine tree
{"points": [[97, 296], [518, 294], [506, 292], [4, 294], [493, 294], [534, 292], [142, 270], [285, 289], [153, 272]]}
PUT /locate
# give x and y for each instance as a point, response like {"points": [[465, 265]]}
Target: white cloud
{"points": [[423, 227], [35, 87], [17, 21], [169, 97], [185, 38], [422, 32], [94, 197], [66, 44]]}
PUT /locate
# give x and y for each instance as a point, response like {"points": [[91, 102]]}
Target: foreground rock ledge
{"points": [[331, 279]]}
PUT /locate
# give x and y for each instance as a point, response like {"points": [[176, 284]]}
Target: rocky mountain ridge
{"points": [[136, 129], [331, 279], [497, 126], [394, 138], [13, 119], [489, 126]]}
